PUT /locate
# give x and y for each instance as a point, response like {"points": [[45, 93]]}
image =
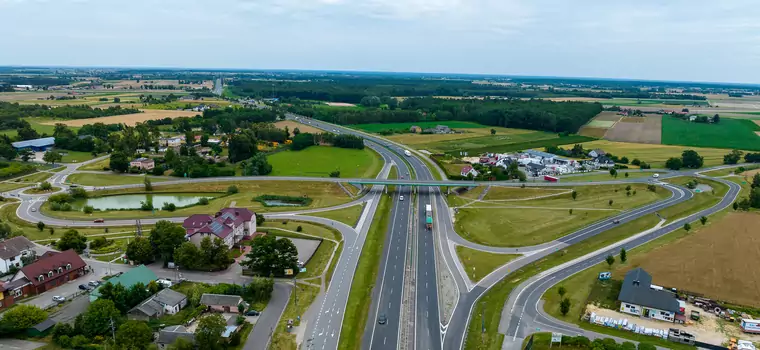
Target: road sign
{"points": [[603, 276], [303, 269], [288, 272], [556, 337]]}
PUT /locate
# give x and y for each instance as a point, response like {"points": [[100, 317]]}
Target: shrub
{"points": [[299, 228], [169, 206], [232, 189], [88, 209], [203, 201]]}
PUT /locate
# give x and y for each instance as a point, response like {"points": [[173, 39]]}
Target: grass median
{"points": [[357, 307], [492, 302], [349, 216]]}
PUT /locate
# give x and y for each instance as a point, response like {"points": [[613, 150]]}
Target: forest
{"points": [[14, 111], [226, 120], [560, 117]]}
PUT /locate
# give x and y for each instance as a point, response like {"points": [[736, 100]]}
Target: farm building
{"points": [[36, 145], [639, 297]]}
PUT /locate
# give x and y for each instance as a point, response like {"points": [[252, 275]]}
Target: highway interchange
{"points": [[410, 265]]}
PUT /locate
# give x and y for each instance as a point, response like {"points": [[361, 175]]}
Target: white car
{"points": [[34, 209], [656, 176], [59, 299], [167, 283], [401, 198]]}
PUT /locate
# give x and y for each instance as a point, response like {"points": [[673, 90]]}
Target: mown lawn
{"points": [[377, 127], [349, 216], [654, 155], [728, 133], [320, 161], [479, 264], [90, 179]]}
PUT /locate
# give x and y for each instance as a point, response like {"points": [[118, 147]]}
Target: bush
{"points": [[100, 242], [232, 189], [240, 319], [203, 201], [299, 228], [88, 209], [169, 206]]}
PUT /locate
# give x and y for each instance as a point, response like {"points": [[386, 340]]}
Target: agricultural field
{"points": [[42, 126], [320, 161], [535, 221], [421, 141], [598, 126], [649, 102], [487, 141], [134, 84], [728, 133], [128, 119], [655, 155], [301, 127], [647, 129]]}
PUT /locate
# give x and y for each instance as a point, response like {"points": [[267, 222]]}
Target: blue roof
{"points": [[43, 142]]}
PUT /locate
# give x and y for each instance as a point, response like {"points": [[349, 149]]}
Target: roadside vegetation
{"points": [[479, 264], [349, 216]]}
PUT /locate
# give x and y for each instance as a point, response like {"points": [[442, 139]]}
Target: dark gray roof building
{"points": [[221, 300], [14, 246], [637, 290], [169, 334]]}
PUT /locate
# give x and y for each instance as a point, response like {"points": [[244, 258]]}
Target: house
{"points": [[596, 153], [534, 169], [221, 302], [165, 301], [467, 171], [637, 297], [170, 141], [12, 250], [230, 225], [36, 145], [692, 118], [140, 274], [443, 129], [603, 162], [169, 335], [143, 163], [543, 156], [50, 271], [415, 129]]}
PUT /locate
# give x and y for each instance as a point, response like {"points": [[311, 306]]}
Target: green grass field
{"points": [[37, 125], [348, 216], [75, 157], [530, 144], [488, 141], [97, 166], [90, 179], [479, 264], [377, 127], [729, 133], [541, 220], [319, 161], [605, 176]]}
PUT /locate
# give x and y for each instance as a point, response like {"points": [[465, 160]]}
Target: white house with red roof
{"points": [[468, 170], [230, 225]]}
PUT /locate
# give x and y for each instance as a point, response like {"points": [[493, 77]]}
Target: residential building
{"points": [[603, 162], [637, 297], [165, 301], [442, 129], [170, 141], [534, 169], [221, 302], [36, 145], [12, 250], [467, 171], [543, 156], [596, 153], [415, 129], [230, 225], [169, 335], [140, 274], [143, 163], [50, 271]]}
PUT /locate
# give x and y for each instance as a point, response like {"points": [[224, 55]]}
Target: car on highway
{"points": [[655, 175], [616, 221], [401, 198], [59, 299], [34, 209], [382, 319], [98, 221]]}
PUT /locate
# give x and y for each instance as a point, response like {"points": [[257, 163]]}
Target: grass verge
{"points": [[479, 264], [349, 216], [282, 339]]}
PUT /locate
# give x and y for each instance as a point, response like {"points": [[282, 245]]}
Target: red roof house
{"points": [[50, 271], [230, 225]]}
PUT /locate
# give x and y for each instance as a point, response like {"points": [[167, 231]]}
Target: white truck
{"points": [[429, 216], [407, 153]]}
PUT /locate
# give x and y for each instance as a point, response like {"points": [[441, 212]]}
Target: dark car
{"points": [[616, 221], [252, 313], [382, 319], [84, 287]]}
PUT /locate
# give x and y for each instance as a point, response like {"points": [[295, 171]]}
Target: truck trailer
{"points": [[429, 216]]}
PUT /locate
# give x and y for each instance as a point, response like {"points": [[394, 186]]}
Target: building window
{"points": [[60, 269], [17, 293], [50, 274], [68, 266], [40, 278]]}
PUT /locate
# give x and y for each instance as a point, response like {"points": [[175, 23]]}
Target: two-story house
{"points": [[230, 225], [11, 252], [51, 270], [639, 297]]}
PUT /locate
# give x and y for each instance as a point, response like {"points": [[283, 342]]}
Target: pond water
{"points": [[132, 201], [280, 203]]}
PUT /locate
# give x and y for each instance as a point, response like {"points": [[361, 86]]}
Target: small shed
{"points": [[41, 329]]}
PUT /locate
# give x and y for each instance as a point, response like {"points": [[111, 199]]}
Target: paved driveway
{"points": [[16, 344]]}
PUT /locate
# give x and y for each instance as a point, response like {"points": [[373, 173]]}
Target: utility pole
{"points": [[113, 331]]}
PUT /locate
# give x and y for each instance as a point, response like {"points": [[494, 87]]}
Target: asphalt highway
{"points": [[523, 312]]}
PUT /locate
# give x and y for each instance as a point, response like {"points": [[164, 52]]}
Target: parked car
{"points": [[59, 299], [84, 287], [166, 282], [382, 319], [97, 221], [252, 313], [94, 283]]}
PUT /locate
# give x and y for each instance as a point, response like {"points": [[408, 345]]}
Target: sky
{"points": [[686, 40]]}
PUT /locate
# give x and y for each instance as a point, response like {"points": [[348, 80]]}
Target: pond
{"points": [[132, 201], [281, 203]]}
